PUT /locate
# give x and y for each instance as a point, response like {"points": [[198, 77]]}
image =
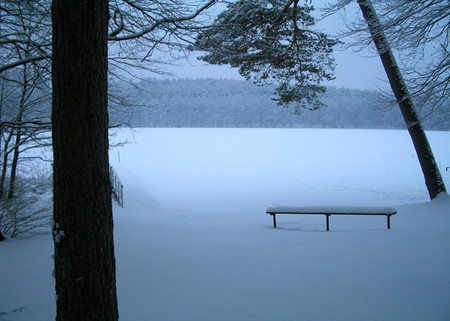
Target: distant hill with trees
{"points": [[236, 103]]}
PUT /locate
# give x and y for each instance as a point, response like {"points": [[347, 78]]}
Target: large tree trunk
{"points": [[432, 175], [83, 224]]}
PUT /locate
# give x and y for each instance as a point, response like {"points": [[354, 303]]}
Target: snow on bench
{"points": [[332, 210]]}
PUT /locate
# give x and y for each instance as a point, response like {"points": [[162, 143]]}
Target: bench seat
{"points": [[332, 210]]}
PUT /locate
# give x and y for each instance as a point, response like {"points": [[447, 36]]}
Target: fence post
{"points": [[121, 195], [117, 186]]}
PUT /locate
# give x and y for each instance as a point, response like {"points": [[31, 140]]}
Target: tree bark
{"points": [[83, 223], [432, 175]]}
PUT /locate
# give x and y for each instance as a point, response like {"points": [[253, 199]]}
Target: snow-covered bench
{"points": [[332, 210]]}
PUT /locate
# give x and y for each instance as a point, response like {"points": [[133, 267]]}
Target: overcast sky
{"points": [[361, 70]]}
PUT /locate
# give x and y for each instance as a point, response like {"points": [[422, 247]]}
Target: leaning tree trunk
{"points": [[432, 175], [83, 223]]}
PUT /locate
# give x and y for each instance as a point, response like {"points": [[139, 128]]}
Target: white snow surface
{"points": [[193, 241]]}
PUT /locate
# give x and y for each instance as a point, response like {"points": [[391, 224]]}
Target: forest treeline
{"points": [[236, 103]]}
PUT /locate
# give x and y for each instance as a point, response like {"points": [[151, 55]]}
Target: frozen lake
{"points": [[229, 169]]}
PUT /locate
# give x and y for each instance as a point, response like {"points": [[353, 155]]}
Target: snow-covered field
{"points": [[193, 241]]}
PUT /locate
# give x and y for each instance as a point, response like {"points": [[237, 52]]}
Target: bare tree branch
{"points": [[157, 23]]}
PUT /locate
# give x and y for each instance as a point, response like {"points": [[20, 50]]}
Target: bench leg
{"points": [[328, 221], [274, 220], [388, 221]]}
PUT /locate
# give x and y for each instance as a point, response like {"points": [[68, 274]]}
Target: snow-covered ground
{"points": [[193, 241]]}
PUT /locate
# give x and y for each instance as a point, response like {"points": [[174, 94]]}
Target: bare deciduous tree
{"points": [[24, 37], [402, 23], [433, 179], [24, 25], [418, 32]]}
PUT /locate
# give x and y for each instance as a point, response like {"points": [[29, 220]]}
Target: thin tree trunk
{"points": [[2, 238], [15, 161], [432, 175], [1, 105], [5, 164], [83, 224]]}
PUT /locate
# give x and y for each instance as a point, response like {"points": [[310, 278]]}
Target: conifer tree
{"points": [[83, 223], [272, 42]]}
